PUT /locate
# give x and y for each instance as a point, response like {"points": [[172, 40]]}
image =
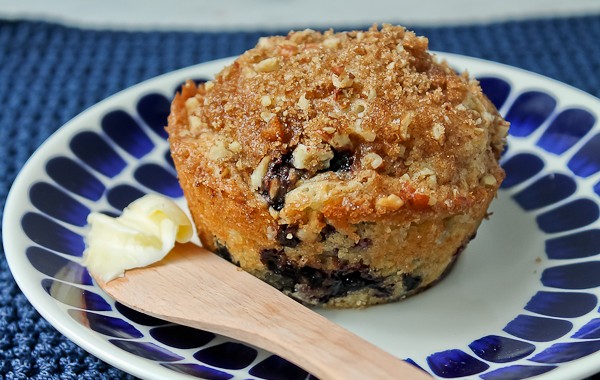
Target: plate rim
{"points": [[131, 363]]}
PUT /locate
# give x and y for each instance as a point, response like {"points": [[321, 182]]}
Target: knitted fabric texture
{"points": [[50, 73]]}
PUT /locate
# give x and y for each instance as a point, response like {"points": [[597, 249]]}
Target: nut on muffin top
{"points": [[355, 125]]}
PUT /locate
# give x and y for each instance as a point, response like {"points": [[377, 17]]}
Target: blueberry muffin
{"points": [[345, 169]]}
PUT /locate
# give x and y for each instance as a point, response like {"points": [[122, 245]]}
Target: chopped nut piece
{"points": [[489, 180], [340, 140], [311, 157], [405, 123], [288, 50], [219, 152], [331, 42], [401, 149], [372, 160], [267, 65], [249, 72], [330, 130], [266, 115], [424, 172], [344, 80], [265, 100], [300, 36], [191, 104], [208, 85], [372, 94], [235, 147], [487, 116], [274, 213], [390, 203], [264, 42], [359, 107], [365, 134], [437, 131], [307, 235], [195, 123], [259, 173], [303, 103]]}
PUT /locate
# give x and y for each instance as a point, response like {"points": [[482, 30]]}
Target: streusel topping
{"points": [[374, 107]]}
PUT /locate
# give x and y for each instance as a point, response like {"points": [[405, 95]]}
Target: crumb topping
{"points": [[370, 110]]}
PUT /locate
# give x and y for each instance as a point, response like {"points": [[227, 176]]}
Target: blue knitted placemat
{"points": [[50, 73]]}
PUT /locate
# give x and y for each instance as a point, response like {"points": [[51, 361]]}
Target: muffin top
{"points": [[356, 125]]}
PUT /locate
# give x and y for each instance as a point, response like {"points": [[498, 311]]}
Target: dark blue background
{"points": [[50, 73]]}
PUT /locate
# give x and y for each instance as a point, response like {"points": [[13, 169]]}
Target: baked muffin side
{"points": [[346, 169]]}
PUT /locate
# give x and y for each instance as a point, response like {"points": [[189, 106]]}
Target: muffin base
{"points": [[348, 286]]}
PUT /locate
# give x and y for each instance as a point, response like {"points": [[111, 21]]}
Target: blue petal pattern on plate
{"points": [[181, 336], [73, 177], [577, 245], [147, 350], [58, 204], [122, 195], [575, 214], [92, 149], [126, 133], [75, 296], [529, 111], [520, 168], [275, 367], [566, 129], [227, 355], [154, 110], [565, 352], [58, 267], [587, 161], [137, 317], [496, 89], [196, 370], [104, 324], [49, 234], [538, 329], [573, 276], [591, 330], [96, 167], [499, 349], [455, 363], [158, 179], [562, 304], [516, 372], [545, 191]]}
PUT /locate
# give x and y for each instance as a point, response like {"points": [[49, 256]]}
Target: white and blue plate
{"points": [[521, 302]]}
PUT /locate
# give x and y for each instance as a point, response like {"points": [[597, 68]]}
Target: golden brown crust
{"points": [[362, 132]]}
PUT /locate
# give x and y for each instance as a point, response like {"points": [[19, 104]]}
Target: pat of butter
{"points": [[144, 233]]}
